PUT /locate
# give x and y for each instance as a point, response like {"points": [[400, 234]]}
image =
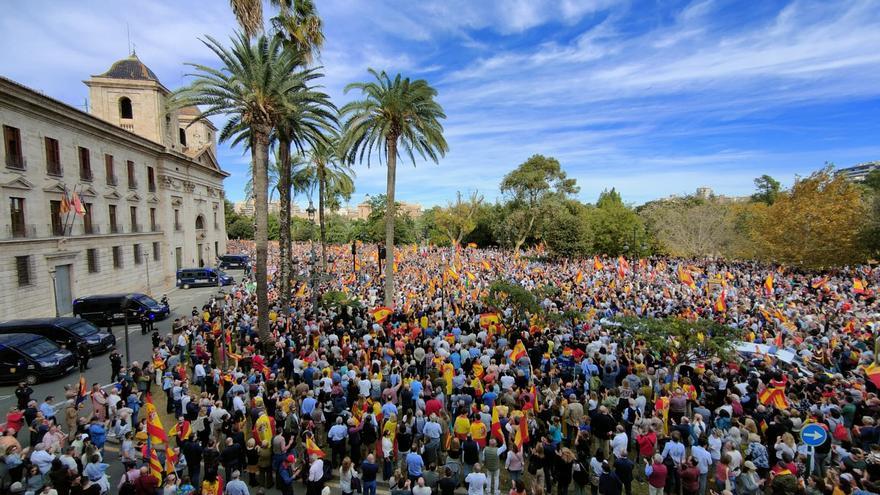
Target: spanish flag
{"points": [[450, 273], [597, 265], [472, 245], [170, 460], [519, 351], [496, 426], [183, 430], [768, 285], [448, 373], [872, 371], [685, 277], [721, 302], [819, 282], [486, 265], [312, 448], [470, 276], [579, 277], [154, 425], [487, 319], [478, 370], [522, 433], [859, 286], [381, 313], [302, 291], [155, 466]]}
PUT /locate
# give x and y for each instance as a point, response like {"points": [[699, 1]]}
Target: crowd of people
{"points": [[442, 392]]}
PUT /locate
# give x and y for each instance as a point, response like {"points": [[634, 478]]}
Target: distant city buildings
{"points": [[858, 172], [360, 212]]}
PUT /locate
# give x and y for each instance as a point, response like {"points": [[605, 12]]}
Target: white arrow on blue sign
{"points": [[813, 435]]}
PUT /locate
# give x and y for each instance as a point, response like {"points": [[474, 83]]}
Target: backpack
{"points": [[368, 432], [127, 487], [580, 474], [328, 471]]}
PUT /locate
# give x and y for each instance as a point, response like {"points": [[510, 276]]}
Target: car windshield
{"points": [[39, 347], [147, 301], [84, 329]]}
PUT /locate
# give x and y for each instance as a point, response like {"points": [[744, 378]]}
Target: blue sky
{"points": [[651, 97]]}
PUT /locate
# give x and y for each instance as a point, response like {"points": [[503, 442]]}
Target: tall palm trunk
{"points": [[322, 186], [261, 236], [284, 223], [390, 212]]}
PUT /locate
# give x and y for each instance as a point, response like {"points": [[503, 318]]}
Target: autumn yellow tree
{"points": [[817, 223], [457, 219]]}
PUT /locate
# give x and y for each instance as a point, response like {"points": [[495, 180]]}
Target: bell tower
{"points": [[130, 95]]}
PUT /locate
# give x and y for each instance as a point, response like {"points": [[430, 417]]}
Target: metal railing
{"points": [[89, 229], [115, 229], [19, 231], [112, 181], [155, 228], [135, 227], [151, 187], [58, 229], [132, 184], [54, 169], [86, 175], [16, 162]]}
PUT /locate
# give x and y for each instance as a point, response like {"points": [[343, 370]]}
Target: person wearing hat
{"points": [[748, 482]]}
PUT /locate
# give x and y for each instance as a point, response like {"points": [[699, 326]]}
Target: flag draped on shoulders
{"points": [[313, 449]]}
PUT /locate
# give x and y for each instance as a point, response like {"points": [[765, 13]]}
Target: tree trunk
{"points": [[284, 224], [322, 187], [391, 144], [261, 236]]}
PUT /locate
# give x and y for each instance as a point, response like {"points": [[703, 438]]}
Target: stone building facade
{"points": [[148, 180]]}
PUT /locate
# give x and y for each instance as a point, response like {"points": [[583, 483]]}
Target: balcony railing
{"points": [[135, 227], [89, 229], [20, 231], [114, 229], [132, 184], [54, 169], [155, 228], [16, 162], [112, 181], [58, 229], [178, 227], [151, 187], [86, 175]]}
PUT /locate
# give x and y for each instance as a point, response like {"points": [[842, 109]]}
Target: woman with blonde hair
{"points": [[785, 444], [347, 475]]}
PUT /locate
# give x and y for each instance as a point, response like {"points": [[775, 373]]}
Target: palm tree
{"points": [[257, 86], [334, 178], [249, 14], [301, 27], [397, 116]]}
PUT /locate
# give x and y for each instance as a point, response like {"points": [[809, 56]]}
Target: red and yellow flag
{"points": [[496, 426], [486, 265], [487, 319], [381, 313], [312, 448], [301, 292], [522, 433], [154, 425], [170, 460], [768, 285], [859, 286], [721, 302], [579, 277], [519, 351], [155, 466], [819, 282], [597, 265], [872, 371], [686, 278]]}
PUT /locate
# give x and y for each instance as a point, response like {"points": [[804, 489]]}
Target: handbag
{"points": [[355, 483]]}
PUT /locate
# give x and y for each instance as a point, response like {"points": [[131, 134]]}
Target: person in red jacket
{"points": [[647, 442], [146, 484], [690, 477], [656, 474]]}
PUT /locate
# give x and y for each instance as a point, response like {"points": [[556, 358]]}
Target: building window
{"points": [[114, 227], [12, 139], [53, 157], [110, 170], [55, 216], [137, 254], [16, 217], [182, 134], [132, 179], [153, 226], [85, 164], [117, 257], [156, 251], [23, 269], [200, 222], [92, 259], [88, 225], [177, 226], [216, 248], [133, 214], [125, 108], [151, 179], [216, 225]]}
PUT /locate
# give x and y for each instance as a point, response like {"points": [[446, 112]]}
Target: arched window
{"points": [[125, 108], [200, 222]]}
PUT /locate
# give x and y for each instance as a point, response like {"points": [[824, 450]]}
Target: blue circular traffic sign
{"points": [[813, 435]]}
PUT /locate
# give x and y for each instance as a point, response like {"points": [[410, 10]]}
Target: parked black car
{"points": [[107, 308], [32, 358], [66, 332]]}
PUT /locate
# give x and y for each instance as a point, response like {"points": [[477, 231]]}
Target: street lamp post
{"points": [[312, 279], [125, 304]]}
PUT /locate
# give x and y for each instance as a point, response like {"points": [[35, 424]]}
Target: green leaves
{"points": [[691, 341]]}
